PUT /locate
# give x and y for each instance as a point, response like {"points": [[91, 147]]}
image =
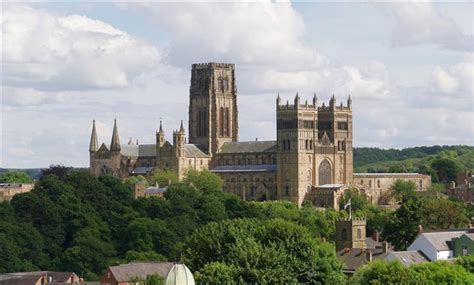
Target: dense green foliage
{"points": [[252, 251], [393, 272], [15, 177], [441, 162], [75, 222]]}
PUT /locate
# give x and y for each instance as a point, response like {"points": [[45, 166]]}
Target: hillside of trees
{"points": [[443, 163], [73, 221]]}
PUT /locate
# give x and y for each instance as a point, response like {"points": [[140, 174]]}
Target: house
{"points": [[464, 245], [176, 274], [39, 278], [437, 245], [408, 257]]}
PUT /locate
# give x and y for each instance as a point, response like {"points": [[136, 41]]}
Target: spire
{"points": [[278, 101], [349, 101], [332, 102], [297, 100], [161, 128], [93, 146], [315, 99], [181, 128], [130, 142], [115, 143]]}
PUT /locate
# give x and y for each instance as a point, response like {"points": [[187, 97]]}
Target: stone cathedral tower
{"points": [[213, 106], [314, 146]]}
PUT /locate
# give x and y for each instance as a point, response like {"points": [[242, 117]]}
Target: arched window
{"points": [[359, 234], [370, 183], [325, 173], [287, 191], [421, 184], [378, 183], [344, 234]]}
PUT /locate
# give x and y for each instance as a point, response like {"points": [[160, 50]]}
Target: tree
{"points": [[135, 179], [444, 214], [385, 272], [442, 272], [262, 252], [467, 262], [216, 273], [15, 177], [403, 225], [133, 255], [446, 168], [403, 189], [163, 177], [204, 180]]}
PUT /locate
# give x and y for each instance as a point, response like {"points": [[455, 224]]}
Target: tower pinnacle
{"points": [[115, 143], [93, 146]]}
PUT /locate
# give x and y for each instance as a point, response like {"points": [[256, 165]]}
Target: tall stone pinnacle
{"points": [[93, 146], [115, 143]]}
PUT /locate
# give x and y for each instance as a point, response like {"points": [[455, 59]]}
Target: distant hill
{"points": [[34, 173], [413, 159]]}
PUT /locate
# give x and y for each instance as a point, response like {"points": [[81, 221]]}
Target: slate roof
{"points": [[125, 272], [155, 190], [442, 240], [26, 278], [194, 150], [248, 147], [354, 258], [245, 168], [144, 150], [387, 174], [410, 257]]}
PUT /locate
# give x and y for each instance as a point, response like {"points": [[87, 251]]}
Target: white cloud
{"points": [[421, 23], [263, 33], [29, 97], [66, 52], [456, 79]]}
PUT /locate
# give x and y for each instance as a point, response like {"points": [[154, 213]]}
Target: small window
{"points": [[190, 162], [344, 234], [378, 183], [287, 191], [421, 184], [359, 234], [464, 250], [370, 183]]}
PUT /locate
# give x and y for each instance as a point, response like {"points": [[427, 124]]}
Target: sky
{"points": [[409, 68]]}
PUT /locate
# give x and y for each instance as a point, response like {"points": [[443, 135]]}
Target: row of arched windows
{"points": [[224, 122]]}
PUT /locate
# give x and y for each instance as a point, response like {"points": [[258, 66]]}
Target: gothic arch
{"points": [[324, 170]]}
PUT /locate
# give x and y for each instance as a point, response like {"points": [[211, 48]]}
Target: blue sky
{"points": [[408, 67]]}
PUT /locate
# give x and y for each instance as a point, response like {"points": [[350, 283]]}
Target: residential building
{"points": [[39, 278], [437, 245]]}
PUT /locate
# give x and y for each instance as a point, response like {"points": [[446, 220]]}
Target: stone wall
{"points": [[376, 186], [8, 190]]}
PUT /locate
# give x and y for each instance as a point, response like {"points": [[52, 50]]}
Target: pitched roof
{"points": [[125, 272], [410, 257], [246, 147], [143, 150], [194, 150], [442, 240], [245, 168], [353, 258]]}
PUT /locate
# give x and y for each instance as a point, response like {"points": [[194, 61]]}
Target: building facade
{"points": [[313, 145]]}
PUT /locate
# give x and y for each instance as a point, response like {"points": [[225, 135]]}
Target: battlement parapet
{"points": [[314, 106], [212, 64]]}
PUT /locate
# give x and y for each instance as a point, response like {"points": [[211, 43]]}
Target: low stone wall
{"points": [[8, 190]]}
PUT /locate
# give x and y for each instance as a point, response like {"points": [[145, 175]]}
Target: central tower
{"points": [[213, 115]]}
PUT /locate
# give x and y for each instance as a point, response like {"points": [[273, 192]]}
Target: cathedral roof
{"points": [[138, 150], [194, 150], [251, 146], [245, 168]]}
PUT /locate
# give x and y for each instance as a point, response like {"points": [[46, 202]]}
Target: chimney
{"points": [[385, 247], [376, 236], [368, 256]]}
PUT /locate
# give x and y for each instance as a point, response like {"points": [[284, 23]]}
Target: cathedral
{"points": [[313, 146]]}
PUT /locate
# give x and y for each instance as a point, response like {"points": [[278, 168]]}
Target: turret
{"points": [[179, 139], [332, 102], [160, 136], [297, 100], [93, 146], [115, 143], [278, 100], [349, 102], [315, 101]]}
